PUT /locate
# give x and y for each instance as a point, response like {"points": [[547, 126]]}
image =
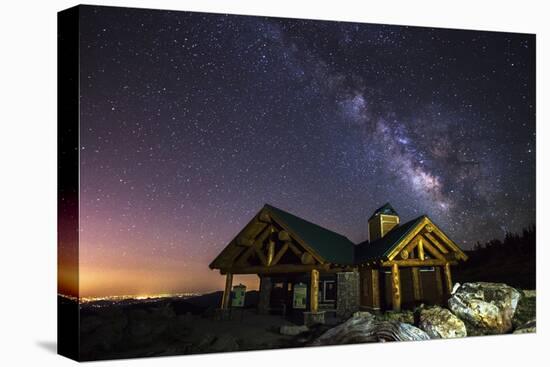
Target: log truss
{"points": [[425, 246], [267, 246]]}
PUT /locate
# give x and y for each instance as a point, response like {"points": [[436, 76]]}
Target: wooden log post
{"points": [[375, 278], [417, 284], [438, 283], [314, 291], [227, 291], [448, 279], [396, 287], [420, 248], [264, 296]]}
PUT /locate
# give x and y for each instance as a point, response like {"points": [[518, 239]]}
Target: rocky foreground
{"points": [[473, 309], [171, 328]]}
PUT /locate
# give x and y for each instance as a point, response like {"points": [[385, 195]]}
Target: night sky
{"points": [[191, 122]]}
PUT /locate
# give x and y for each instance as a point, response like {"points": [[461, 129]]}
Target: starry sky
{"points": [[191, 122]]}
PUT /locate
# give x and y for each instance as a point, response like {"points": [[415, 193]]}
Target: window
{"points": [[427, 268]]}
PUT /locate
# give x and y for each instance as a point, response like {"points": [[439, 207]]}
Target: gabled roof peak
{"points": [[330, 245], [386, 209]]}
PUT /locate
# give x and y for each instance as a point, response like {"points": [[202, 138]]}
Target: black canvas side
{"points": [[68, 181]]}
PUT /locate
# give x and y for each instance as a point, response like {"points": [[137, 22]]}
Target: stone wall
{"points": [[264, 297], [347, 301]]}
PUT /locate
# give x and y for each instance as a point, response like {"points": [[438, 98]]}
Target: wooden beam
{"points": [[241, 260], [438, 283], [250, 232], [244, 241], [417, 262], [453, 245], [451, 256], [259, 241], [268, 230], [408, 238], [227, 291], [448, 279], [307, 259], [234, 249], [448, 255], [260, 255], [436, 243], [396, 288], [284, 236], [432, 250], [264, 217], [410, 247], [420, 248], [280, 268], [280, 254], [417, 284], [314, 291], [294, 249], [270, 253], [375, 288]]}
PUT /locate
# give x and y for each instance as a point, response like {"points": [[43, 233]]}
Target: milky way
{"points": [[191, 122]]}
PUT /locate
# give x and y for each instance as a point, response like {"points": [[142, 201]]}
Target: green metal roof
{"points": [[381, 247], [338, 249], [331, 246]]}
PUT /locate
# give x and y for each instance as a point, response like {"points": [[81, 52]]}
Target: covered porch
{"points": [[414, 269], [309, 294]]}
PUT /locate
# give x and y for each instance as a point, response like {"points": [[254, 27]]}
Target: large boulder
{"points": [[406, 316], [526, 310], [440, 323], [365, 314], [488, 307], [364, 328]]}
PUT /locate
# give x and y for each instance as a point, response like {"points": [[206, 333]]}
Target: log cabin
{"points": [[307, 269]]}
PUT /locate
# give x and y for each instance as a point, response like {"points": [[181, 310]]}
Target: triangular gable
{"points": [[406, 236], [265, 241], [238, 245], [433, 239]]}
